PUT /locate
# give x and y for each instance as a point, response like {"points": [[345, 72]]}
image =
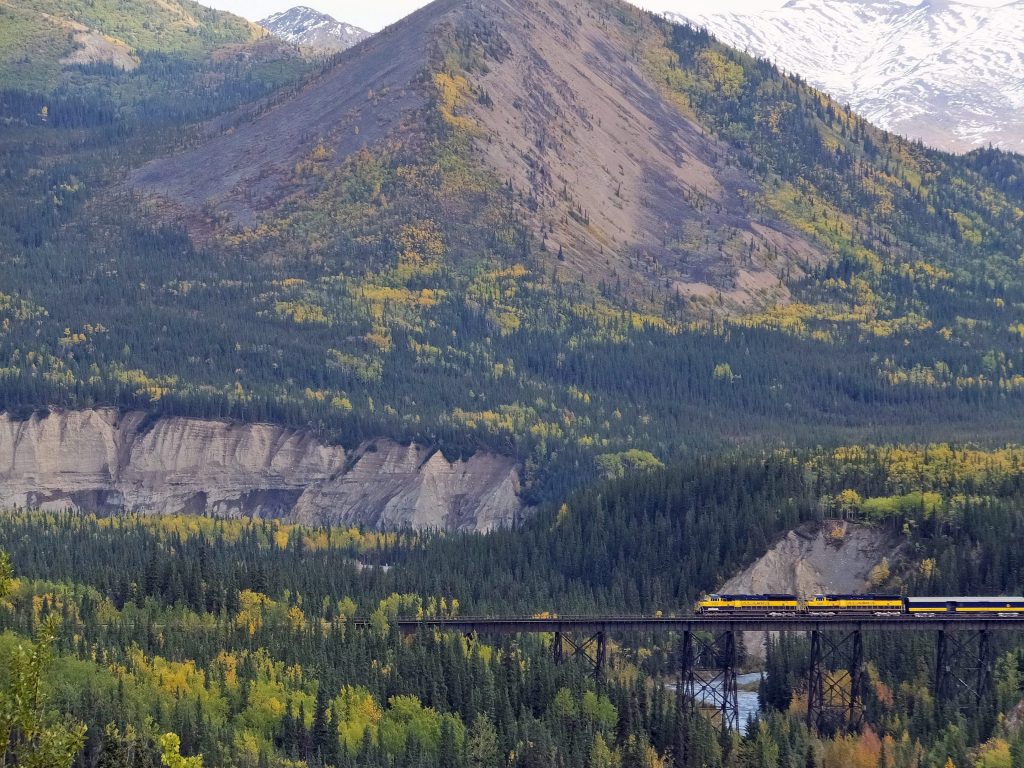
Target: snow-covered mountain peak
{"points": [[948, 72], [309, 28]]}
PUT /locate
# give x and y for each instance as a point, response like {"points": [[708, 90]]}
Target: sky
{"points": [[375, 14]]}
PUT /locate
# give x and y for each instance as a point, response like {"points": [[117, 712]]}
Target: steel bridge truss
{"points": [[707, 676], [591, 648], [708, 663], [835, 682], [963, 669]]}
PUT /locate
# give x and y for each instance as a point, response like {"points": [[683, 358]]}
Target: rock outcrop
{"points": [[104, 461], [834, 559]]}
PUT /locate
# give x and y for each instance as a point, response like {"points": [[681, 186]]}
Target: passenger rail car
{"points": [[991, 606], [874, 605]]}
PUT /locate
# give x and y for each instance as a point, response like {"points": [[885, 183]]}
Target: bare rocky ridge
{"points": [[92, 47], [103, 460], [246, 172], [608, 169], [623, 182]]}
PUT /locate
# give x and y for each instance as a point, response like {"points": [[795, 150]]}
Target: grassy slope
{"points": [[31, 47], [170, 26], [36, 34]]}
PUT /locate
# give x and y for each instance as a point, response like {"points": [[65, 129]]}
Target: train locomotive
{"points": [[773, 605], [847, 605]]}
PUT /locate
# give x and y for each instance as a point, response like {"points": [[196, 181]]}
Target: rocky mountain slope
{"points": [[105, 461], [948, 73], [313, 30], [607, 171]]}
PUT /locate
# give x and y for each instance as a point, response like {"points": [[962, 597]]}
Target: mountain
{"points": [[940, 71], [314, 30], [601, 167], [571, 234]]}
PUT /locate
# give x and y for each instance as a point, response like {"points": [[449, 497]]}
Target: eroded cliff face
{"points": [[835, 558], [104, 461]]}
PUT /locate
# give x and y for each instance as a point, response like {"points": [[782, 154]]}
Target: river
{"points": [[746, 699]]}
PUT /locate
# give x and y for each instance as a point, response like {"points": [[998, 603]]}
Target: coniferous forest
{"points": [[240, 637]]}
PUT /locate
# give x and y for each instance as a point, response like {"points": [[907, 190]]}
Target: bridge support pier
{"points": [[594, 649], [707, 679], [835, 683], [963, 668]]}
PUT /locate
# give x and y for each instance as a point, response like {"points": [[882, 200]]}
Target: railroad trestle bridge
{"points": [[709, 658]]}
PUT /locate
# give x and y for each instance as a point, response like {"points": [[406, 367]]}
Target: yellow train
{"points": [[773, 605], [875, 605]]}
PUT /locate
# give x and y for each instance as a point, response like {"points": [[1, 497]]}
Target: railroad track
{"points": [[510, 625]]}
